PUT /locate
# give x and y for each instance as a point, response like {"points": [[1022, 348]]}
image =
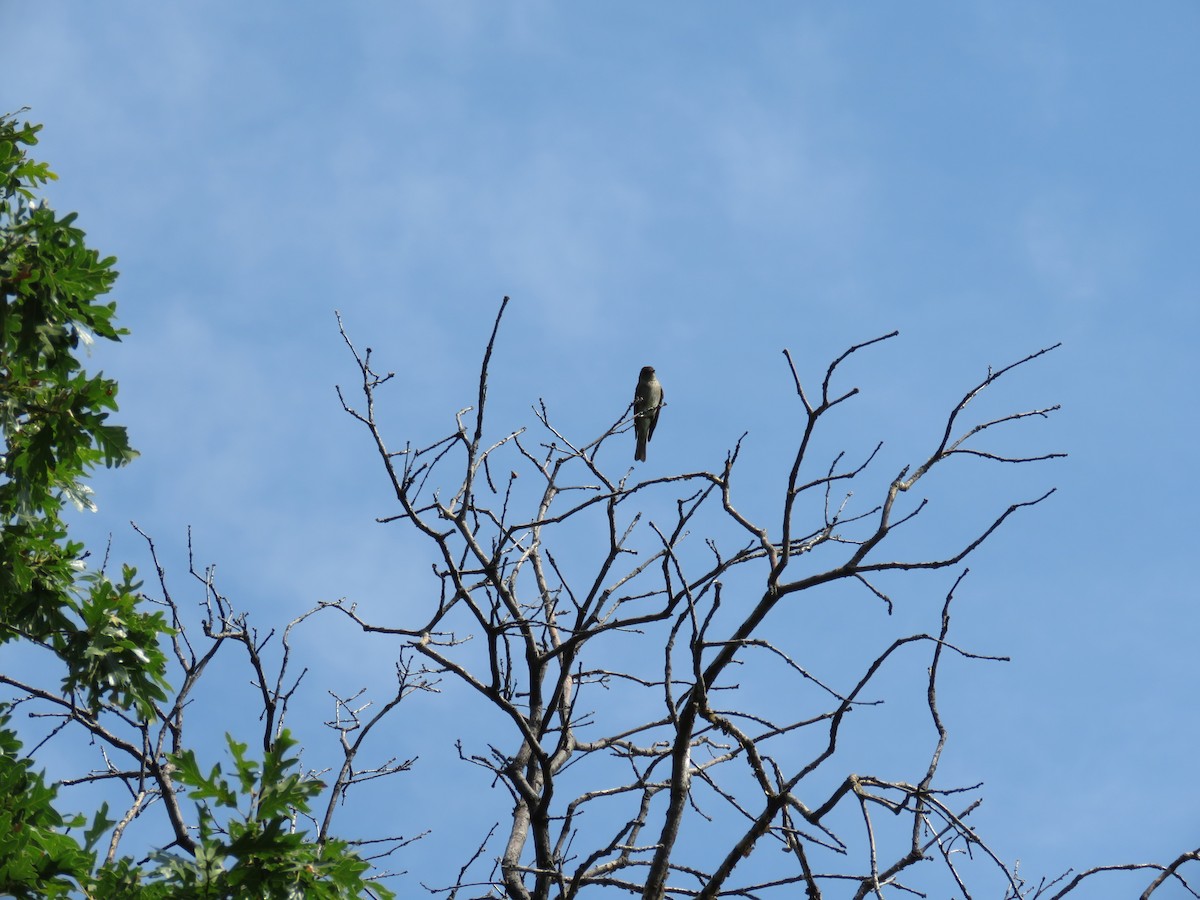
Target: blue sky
{"points": [[695, 186]]}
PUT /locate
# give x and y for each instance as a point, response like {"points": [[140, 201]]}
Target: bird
{"points": [[647, 401]]}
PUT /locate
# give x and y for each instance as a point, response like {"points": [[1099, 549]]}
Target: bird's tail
{"points": [[640, 454]]}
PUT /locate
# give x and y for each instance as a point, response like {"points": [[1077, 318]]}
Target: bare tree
{"points": [[639, 698], [658, 732]]}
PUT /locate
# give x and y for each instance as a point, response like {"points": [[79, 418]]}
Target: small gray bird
{"points": [[647, 400]]}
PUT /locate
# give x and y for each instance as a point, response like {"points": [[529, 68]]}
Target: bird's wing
{"points": [[654, 414]]}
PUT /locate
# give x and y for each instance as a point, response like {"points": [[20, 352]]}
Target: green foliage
{"points": [[249, 845], [116, 654], [54, 431], [37, 858], [53, 416]]}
